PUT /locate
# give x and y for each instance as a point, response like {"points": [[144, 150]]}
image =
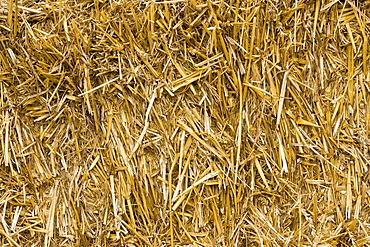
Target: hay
{"points": [[184, 122]]}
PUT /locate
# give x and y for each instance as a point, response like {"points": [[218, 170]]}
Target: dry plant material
{"points": [[184, 123]]}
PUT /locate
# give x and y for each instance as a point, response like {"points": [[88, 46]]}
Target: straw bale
{"points": [[184, 123]]}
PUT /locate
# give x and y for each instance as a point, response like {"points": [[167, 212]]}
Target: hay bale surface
{"points": [[184, 123]]}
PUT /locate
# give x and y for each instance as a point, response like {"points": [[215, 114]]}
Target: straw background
{"points": [[184, 123]]}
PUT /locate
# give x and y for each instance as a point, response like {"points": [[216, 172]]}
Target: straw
{"points": [[184, 123]]}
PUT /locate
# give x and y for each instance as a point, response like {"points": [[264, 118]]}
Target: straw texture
{"points": [[184, 123]]}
